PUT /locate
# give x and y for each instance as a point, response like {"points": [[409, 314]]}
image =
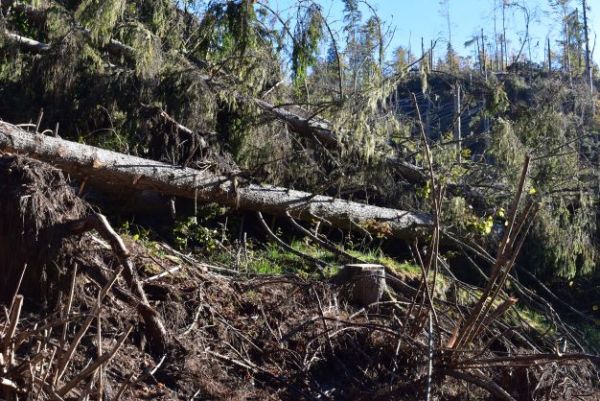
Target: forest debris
{"points": [[155, 326], [291, 339], [39, 211], [103, 359], [493, 388], [35, 203], [68, 355]]}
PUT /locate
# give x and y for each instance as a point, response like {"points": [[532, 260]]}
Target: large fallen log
{"points": [[116, 171]]}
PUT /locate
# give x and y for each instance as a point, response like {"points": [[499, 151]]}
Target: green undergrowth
{"points": [[254, 257], [269, 258], [407, 269]]}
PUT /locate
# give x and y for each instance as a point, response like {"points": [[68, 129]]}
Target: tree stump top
{"points": [[367, 281]]}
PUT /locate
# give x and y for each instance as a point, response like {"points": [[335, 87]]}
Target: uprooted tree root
{"points": [[35, 202], [236, 338]]}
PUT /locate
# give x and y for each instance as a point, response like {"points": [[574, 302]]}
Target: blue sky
{"points": [[413, 19]]}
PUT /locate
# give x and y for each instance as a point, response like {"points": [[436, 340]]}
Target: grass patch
{"points": [[377, 256], [270, 258]]}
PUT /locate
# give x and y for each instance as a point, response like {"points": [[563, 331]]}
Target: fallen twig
{"points": [[68, 355], [105, 358], [493, 388], [155, 327]]}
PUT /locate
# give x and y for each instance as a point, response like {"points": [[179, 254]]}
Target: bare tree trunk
{"points": [[566, 50], [504, 47], [479, 56], [431, 66], [457, 120], [549, 57], [423, 59], [117, 171], [483, 60], [496, 37], [588, 64]]}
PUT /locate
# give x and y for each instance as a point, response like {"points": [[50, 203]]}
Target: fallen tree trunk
{"points": [[117, 171]]}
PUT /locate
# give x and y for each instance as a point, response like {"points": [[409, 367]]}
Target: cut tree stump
{"points": [[366, 282]]}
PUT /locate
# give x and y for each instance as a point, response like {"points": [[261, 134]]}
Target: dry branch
{"points": [[103, 359], [68, 355], [156, 329], [508, 249], [319, 128], [494, 389]]}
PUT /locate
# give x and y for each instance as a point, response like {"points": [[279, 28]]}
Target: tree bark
{"points": [[116, 171]]}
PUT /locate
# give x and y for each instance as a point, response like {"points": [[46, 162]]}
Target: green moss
{"points": [[533, 318]]}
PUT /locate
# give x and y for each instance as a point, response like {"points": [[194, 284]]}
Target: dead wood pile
{"points": [[247, 338]]}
